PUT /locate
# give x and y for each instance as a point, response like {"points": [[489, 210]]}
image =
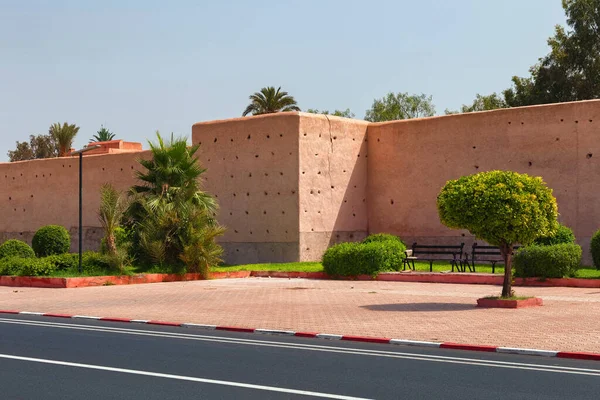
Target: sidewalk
{"points": [[568, 321]]}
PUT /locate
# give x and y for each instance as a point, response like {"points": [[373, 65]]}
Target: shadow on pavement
{"points": [[421, 307]]}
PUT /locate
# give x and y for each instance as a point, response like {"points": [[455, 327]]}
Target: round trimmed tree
{"points": [[501, 207]]}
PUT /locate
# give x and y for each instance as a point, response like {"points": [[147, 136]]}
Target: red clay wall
{"points": [[333, 182], [42, 192], [252, 169], [410, 161]]}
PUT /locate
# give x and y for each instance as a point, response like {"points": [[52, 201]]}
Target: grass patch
{"points": [[283, 267], [588, 273]]}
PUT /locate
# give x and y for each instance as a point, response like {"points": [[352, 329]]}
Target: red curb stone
{"points": [[57, 315], [365, 339], [578, 355], [500, 303], [458, 346], [306, 334], [110, 319], [163, 323], [8, 312], [234, 329]]}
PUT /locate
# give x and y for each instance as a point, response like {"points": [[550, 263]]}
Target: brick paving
{"points": [[568, 321]]}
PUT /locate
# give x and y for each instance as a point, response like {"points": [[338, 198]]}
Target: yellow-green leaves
{"points": [[499, 207]]}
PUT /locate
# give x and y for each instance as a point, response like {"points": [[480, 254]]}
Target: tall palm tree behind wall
{"points": [[103, 135], [270, 100], [63, 135]]}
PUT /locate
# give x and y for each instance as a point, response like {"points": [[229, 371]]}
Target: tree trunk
{"points": [[111, 245], [506, 250]]}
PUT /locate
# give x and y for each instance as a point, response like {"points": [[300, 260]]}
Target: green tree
{"points": [[103, 135], [63, 136], [40, 146], [571, 71], [493, 101], [270, 100], [501, 207], [112, 207], [396, 106], [169, 211], [336, 113]]}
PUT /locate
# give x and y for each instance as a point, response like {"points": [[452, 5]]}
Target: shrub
{"points": [[16, 248], [595, 249], [563, 234], [352, 259], [63, 262], [554, 261], [93, 261], [25, 266], [382, 237], [51, 239]]}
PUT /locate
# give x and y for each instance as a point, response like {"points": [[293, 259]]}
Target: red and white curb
{"points": [[329, 336]]}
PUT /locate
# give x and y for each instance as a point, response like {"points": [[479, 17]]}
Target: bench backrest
{"points": [[453, 250], [479, 250]]}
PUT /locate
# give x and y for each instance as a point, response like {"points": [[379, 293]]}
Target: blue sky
{"points": [[142, 66]]}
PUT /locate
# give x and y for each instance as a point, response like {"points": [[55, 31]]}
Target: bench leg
{"points": [[413, 265], [430, 266], [493, 267]]}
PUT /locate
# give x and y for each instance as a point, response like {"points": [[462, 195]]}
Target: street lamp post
{"points": [[80, 152]]}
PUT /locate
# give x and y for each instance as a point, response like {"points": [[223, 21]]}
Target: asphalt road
{"points": [[50, 358]]}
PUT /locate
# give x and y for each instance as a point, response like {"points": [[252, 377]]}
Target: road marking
{"points": [[182, 378], [310, 347]]}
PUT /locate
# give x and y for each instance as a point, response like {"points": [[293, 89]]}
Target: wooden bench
{"points": [[489, 254], [440, 252]]}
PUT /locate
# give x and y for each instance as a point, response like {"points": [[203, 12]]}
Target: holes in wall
{"points": [[392, 201], [268, 136], [281, 135], [588, 156], [509, 122], [353, 214], [335, 138], [256, 156], [557, 139], [474, 147], [378, 140], [576, 121], [590, 121], [477, 167], [266, 174], [333, 187], [246, 212], [9, 198], [215, 141], [319, 173], [265, 212], [305, 134], [230, 213], [250, 175], [231, 176], [249, 136], [266, 193], [562, 120], [522, 123], [247, 193], [234, 195], [281, 173], [530, 163], [231, 140]]}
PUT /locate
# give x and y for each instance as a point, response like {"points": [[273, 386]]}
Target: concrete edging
{"points": [[422, 277], [329, 336]]}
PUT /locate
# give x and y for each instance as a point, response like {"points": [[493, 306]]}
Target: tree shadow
{"points": [[420, 307]]}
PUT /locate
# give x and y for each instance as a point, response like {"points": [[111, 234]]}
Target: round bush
{"points": [[554, 261], [352, 259], [50, 240], [563, 234], [16, 248], [382, 237], [595, 249]]}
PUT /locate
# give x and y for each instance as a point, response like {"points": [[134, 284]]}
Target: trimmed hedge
{"points": [[352, 259], [50, 240], [382, 237], [25, 266], [16, 248], [555, 261], [564, 234], [595, 249]]}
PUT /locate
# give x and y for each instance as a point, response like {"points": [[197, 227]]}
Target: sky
{"points": [[138, 66]]}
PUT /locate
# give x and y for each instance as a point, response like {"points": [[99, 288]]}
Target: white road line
{"points": [[183, 378], [328, 349], [84, 317]]}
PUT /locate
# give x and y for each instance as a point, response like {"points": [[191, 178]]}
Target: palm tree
{"points": [[112, 207], [63, 135], [173, 219], [103, 135], [270, 100]]}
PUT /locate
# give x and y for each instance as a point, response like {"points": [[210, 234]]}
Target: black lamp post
{"points": [[80, 152]]}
